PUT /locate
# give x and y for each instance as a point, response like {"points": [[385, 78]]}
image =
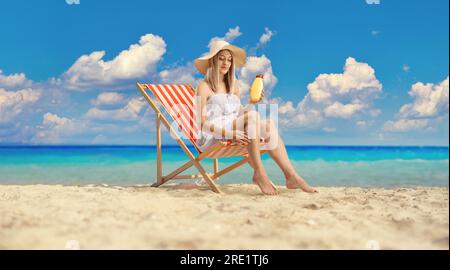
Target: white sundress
{"points": [[221, 110]]}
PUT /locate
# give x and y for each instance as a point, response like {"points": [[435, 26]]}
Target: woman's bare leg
{"points": [[277, 151], [251, 165], [249, 122]]}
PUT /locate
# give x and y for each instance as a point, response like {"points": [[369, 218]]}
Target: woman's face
{"points": [[225, 60]]}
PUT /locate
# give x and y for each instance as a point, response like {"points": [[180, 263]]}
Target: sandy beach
{"points": [[185, 216]]}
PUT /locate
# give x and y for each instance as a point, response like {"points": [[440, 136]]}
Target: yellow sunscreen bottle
{"points": [[256, 89]]}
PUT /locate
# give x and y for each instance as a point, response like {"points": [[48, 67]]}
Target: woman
{"points": [[223, 117]]}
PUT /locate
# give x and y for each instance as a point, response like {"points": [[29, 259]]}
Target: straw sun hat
{"points": [[239, 55]]}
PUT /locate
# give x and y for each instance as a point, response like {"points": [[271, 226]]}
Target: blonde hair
{"points": [[212, 73]]}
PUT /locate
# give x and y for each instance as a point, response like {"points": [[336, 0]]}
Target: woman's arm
{"points": [[245, 108]]}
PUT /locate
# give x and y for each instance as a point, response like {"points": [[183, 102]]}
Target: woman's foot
{"points": [[295, 181], [264, 183]]}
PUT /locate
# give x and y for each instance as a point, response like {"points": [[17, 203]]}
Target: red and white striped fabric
{"points": [[179, 101], [228, 151], [233, 150]]}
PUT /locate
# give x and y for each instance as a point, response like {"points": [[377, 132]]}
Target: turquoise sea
{"points": [[364, 166]]}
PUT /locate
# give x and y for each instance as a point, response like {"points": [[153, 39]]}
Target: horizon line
{"points": [[287, 145]]}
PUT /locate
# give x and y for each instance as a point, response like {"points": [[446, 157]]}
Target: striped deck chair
{"points": [[169, 96]]}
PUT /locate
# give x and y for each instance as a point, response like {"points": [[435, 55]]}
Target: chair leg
{"points": [[187, 165], [159, 179], [194, 161], [206, 177], [216, 165], [176, 172]]}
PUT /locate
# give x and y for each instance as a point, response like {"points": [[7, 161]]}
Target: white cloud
{"points": [[298, 116], [180, 74], [107, 98], [358, 82], [55, 128], [286, 108], [307, 119], [430, 105], [138, 61], [403, 125], [54, 120], [265, 38], [147, 120], [230, 36], [129, 112], [343, 95], [257, 65], [339, 110], [13, 81], [430, 100], [13, 103], [15, 132], [20, 107]]}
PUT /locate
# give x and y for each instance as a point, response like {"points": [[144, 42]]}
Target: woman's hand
{"points": [[239, 136], [262, 95]]}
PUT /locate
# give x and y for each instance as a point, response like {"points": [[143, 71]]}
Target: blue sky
{"points": [[47, 96]]}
